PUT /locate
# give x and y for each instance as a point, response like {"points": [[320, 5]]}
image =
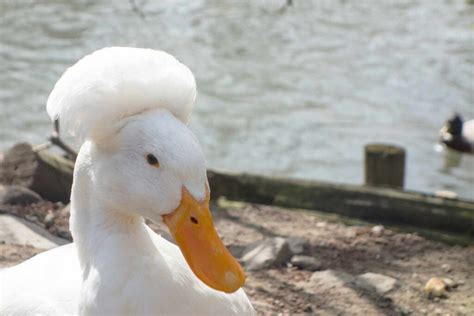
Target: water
{"points": [[294, 91]]}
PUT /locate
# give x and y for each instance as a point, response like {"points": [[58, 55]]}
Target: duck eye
{"points": [[151, 159]]}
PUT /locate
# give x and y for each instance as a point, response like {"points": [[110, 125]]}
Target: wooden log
{"points": [[48, 175], [384, 165], [380, 205], [51, 177]]}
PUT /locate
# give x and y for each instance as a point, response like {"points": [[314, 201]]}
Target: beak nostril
{"points": [[194, 220]]}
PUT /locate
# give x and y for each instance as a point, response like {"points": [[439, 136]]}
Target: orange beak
{"points": [[191, 226]]}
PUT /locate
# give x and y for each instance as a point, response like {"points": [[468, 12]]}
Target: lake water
{"points": [[288, 91]]}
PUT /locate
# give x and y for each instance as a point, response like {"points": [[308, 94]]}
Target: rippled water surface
{"points": [[289, 91]]}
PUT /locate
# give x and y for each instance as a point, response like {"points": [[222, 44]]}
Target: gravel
{"points": [[350, 250]]}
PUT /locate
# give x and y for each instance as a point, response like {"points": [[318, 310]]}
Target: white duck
{"points": [[138, 160]]}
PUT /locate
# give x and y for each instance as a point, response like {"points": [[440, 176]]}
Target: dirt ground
{"points": [[353, 249]]}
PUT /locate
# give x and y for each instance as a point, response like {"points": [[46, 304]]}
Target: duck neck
{"points": [[93, 225]]}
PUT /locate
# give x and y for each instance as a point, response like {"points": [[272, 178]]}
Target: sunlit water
{"points": [[295, 91]]}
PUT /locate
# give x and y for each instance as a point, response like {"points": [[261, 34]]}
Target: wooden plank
{"points": [[51, 176], [382, 205]]}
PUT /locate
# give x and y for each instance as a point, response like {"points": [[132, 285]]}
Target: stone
{"points": [[329, 279], [306, 263], [350, 233], [379, 283], [49, 219], [66, 210], [377, 231], [446, 267], [47, 174], [446, 194], [267, 253], [17, 195], [236, 250], [64, 233], [404, 311], [321, 224], [451, 284], [298, 246], [14, 230], [435, 287], [308, 309]]}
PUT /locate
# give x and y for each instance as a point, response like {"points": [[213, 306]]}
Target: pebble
{"points": [[350, 234], [338, 280], [446, 267], [17, 195], [14, 230], [236, 250], [64, 233], [321, 224], [49, 219], [328, 279], [446, 194], [450, 284], [405, 311], [377, 231], [435, 287], [267, 253], [306, 263], [66, 210], [379, 283], [298, 246]]}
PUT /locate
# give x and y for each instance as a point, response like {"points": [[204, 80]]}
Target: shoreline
{"points": [[346, 250]]}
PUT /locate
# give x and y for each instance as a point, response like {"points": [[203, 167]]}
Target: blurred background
{"points": [[288, 90]]}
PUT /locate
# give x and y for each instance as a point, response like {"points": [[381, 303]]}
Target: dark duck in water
{"points": [[458, 135]]}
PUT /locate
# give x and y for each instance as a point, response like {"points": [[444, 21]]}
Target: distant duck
{"points": [[458, 135]]}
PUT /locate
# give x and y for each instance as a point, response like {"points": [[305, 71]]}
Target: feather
{"points": [[113, 83]]}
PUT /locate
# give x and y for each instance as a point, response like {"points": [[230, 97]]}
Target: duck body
{"points": [[171, 289], [138, 160], [458, 135], [29, 288]]}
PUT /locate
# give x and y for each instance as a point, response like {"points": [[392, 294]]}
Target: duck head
{"points": [[132, 106], [452, 135], [452, 129], [154, 167], [454, 125]]}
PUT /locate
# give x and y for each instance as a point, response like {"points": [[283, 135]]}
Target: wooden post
{"points": [[384, 165], [451, 220]]}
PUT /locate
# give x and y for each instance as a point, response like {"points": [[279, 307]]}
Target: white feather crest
{"points": [[116, 82]]}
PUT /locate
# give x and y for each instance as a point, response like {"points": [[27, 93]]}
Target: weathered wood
{"points": [[56, 140], [384, 165], [382, 205], [48, 175], [51, 177]]}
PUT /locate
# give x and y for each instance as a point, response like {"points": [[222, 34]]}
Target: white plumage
{"points": [[468, 131], [117, 82], [127, 104]]}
